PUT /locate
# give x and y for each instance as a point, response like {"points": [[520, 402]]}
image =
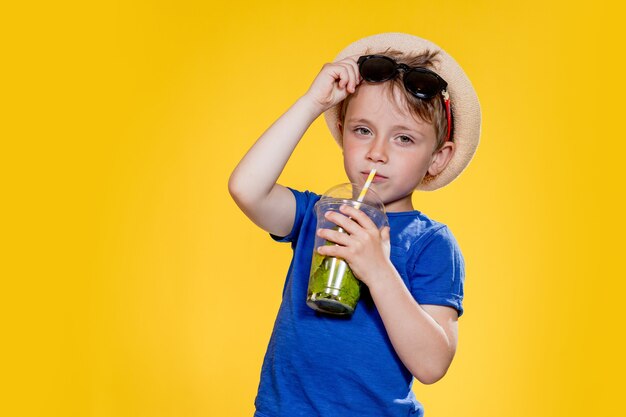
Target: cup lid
{"points": [[350, 192]]}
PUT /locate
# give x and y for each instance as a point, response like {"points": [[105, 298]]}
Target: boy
{"points": [[387, 103]]}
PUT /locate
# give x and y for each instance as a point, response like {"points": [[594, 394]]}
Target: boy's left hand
{"points": [[363, 245]]}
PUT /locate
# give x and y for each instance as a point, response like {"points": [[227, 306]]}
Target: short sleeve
{"points": [[304, 199], [437, 270]]}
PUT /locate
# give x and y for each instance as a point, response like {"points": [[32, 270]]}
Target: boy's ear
{"points": [[441, 158], [340, 126]]}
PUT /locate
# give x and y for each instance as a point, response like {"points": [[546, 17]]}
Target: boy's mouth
{"points": [[377, 177]]}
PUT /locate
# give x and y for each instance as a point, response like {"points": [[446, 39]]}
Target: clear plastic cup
{"points": [[333, 288]]}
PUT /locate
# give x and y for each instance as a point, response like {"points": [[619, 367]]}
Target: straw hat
{"points": [[464, 102]]}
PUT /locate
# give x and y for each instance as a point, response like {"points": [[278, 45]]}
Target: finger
{"points": [[350, 81], [352, 70], [357, 77], [343, 76], [351, 66], [335, 71], [333, 250], [359, 216], [334, 236], [357, 72], [353, 61], [342, 221]]}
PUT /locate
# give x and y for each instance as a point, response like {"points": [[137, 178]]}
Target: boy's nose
{"points": [[377, 152]]}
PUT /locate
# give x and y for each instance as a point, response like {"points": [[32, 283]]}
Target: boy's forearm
{"points": [[258, 171], [421, 343]]}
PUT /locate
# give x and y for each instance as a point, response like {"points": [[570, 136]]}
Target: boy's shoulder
{"points": [[414, 229], [415, 221]]}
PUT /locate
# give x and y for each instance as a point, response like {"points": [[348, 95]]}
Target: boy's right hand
{"points": [[334, 83]]}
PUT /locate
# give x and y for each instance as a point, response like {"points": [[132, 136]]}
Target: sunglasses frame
{"points": [[442, 85]]}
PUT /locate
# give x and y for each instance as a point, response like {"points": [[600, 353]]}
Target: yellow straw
{"points": [[366, 187]]}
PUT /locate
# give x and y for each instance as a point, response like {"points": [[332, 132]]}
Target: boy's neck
{"points": [[403, 205]]}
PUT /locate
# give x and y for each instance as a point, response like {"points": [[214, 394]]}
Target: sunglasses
{"points": [[420, 82]]}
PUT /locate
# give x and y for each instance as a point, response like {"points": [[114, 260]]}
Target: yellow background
{"points": [[133, 286]]}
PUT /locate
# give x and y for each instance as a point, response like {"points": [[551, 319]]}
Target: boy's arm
{"points": [[253, 182], [423, 336]]}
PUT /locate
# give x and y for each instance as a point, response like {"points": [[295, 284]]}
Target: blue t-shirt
{"points": [[318, 365]]}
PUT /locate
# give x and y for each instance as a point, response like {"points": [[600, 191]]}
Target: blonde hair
{"points": [[431, 111]]}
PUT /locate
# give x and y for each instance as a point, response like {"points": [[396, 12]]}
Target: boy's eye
{"points": [[404, 139], [362, 131]]}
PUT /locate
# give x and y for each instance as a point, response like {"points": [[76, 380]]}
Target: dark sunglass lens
{"points": [[377, 69], [421, 84]]}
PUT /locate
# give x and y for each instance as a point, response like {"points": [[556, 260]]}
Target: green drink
{"points": [[333, 287]]}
